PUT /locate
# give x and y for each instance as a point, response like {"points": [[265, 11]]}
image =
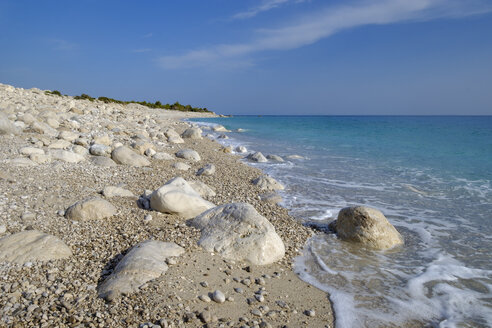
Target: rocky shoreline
{"points": [[57, 151]]}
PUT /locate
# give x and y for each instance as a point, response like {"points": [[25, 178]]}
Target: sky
{"points": [[295, 57]]}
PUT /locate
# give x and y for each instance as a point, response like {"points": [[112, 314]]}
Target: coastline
{"points": [[34, 194]]}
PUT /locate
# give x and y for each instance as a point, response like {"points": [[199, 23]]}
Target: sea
{"points": [[430, 176]]}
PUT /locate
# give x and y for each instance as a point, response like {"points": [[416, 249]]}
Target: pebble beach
{"points": [[57, 152]]}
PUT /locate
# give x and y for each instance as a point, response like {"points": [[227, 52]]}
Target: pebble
{"points": [[310, 313], [259, 298], [204, 298], [218, 296], [204, 284], [147, 218], [256, 312], [239, 290]]}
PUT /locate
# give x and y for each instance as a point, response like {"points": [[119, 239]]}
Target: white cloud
{"points": [[141, 50], [148, 35], [264, 6], [316, 26], [59, 44]]}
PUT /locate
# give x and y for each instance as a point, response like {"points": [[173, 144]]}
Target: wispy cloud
{"points": [[265, 5], [316, 26], [141, 50], [148, 35], [60, 44]]}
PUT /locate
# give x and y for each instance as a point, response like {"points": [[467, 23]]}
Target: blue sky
{"points": [[258, 56]]}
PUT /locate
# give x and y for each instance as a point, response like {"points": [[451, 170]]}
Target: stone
{"points": [[257, 157], [40, 158], [22, 161], [126, 156], [238, 232], [265, 182], [103, 140], [60, 144], [31, 150], [150, 152], [7, 126], [66, 156], [53, 123], [310, 313], [103, 161], [226, 149], [275, 158], [203, 189], [367, 226], [295, 157], [3, 229], [175, 139], [204, 298], [192, 133], [271, 197], [142, 146], [241, 149], [99, 150], [32, 245], [188, 154], [223, 136], [90, 209], [218, 296], [80, 150], [208, 169], [162, 156], [178, 197], [181, 166], [219, 128], [146, 261], [68, 136], [113, 191]]}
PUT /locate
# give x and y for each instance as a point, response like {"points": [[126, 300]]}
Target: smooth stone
{"points": [[208, 169], [32, 245], [178, 197], [80, 150], [218, 296], [68, 135], [7, 126], [192, 133], [126, 156], [144, 262], [219, 128], [203, 189], [113, 191], [188, 154], [275, 158], [366, 225], [162, 156], [150, 152], [60, 144], [238, 232], [266, 182], [295, 157], [175, 140], [27, 151], [142, 146], [257, 157], [103, 140], [103, 161], [22, 161], [99, 150], [241, 149], [181, 166], [90, 209], [66, 156]]}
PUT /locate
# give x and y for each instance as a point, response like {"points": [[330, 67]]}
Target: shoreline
{"points": [[33, 194]]}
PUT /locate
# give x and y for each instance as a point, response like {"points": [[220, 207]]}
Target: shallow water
{"points": [[430, 176]]}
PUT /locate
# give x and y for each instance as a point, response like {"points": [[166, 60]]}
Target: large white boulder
{"points": [[238, 232], [188, 154], [144, 262], [32, 245], [66, 156], [178, 197], [257, 157], [90, 209], [203, 189], [267, 183], [7, 126], [126, 156], [219, 128], [192, 133], [366, 225]]}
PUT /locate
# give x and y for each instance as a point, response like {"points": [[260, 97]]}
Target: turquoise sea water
{"points": [[430, 176]]}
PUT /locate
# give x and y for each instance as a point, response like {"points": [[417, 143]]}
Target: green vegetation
{"points": [[54, 92]]}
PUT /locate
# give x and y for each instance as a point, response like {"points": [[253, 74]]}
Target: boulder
{"points": [[126, 156], [295, 157], [103, 161], [66, 156], [144, 262], [162, 156], [188, 154], [208, 169], [21, 161], [43, 128], [238, 232], [175, 140], [201, 188], [32, 245], [68, 136], [60, 144], [257, 157], [181, 166], [40, 158], [366, 225], [241, 149], [141, 146], [275, 158], [90, 209], [113, 191], [103, 140], [219, 128], [223, 136], [31, 150], [192, 133], [7, 126], [267, 183], [178, 197]]}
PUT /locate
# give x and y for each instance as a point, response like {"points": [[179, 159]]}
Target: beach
{"points": [[49, 162]]}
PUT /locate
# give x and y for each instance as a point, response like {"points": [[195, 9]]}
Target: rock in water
{"points": [[267, 183], [90, 209], [32, 245], [238, 232], [192, 133], [257, 157], [178, 197], [208, 169], [241, 149], [188, 154], [367, 226], [126, 156], [275, 158], [145, 261]]}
